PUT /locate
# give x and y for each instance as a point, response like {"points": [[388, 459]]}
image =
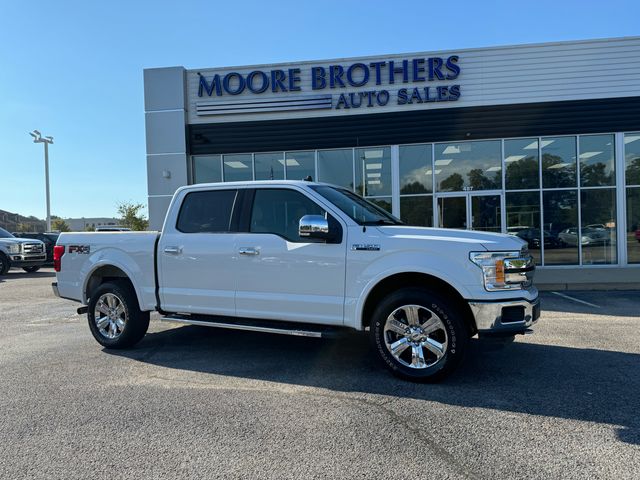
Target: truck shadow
{"points": [[570, 383]]}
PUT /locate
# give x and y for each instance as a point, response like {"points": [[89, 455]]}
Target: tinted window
{"points": [[269, 166], [207, 212], [237, 168], [521, 163], [5, 234], [207, 169], [416, 173], [558, 162], [373, 171], [597, 166], [300, 165], [336, 167], [279, 211], [468, 166]]}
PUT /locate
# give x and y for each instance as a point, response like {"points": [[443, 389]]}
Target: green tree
{"points": [[60, 225], [131, 216]]}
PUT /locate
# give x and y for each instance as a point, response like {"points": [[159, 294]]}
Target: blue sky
{"points": [[74, 69]]}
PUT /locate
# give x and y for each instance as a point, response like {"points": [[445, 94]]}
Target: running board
{"points": [[252, 325]]}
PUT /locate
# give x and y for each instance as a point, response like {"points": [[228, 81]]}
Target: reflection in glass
{"points": [[452, 212], [486, 213], [336, 167], [523, 220], [417, 210], [521, 163], [560, 219], [301, 165], [237, 168], [597, 160], [384, 202], [415, 169], [632, 157], [558, 162], [207, 169], [468, 166], [373, 171], [269, 166], [598, 234], [633, 225]]}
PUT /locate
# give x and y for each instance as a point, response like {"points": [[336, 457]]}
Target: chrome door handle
{"points": [[248, 251], [173, 250]]}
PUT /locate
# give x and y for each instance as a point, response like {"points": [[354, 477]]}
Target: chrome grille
{"points": [[33, 248]]}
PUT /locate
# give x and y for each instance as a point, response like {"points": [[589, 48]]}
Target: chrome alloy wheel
{"points": [[110, 315], [415, 336]]}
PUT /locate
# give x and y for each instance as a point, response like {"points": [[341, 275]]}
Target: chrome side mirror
{"points": [[314, 226]]}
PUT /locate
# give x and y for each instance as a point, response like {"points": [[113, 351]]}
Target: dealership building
{"points": [[540, 141]]}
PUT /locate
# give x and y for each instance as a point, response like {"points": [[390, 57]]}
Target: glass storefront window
{"points": [[523, 220], [560, 219], [632, 158], [336, 167], [269, 166], [373, 171], [558, 162], [521, 164], [468, 166], [237, 168], [417, 210], [300, 165], [416, 173], [207, 169], [597, 164], [598, 233], [633, 225]]}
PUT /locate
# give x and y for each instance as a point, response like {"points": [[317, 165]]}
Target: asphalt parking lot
{"points": [[195, 402]]}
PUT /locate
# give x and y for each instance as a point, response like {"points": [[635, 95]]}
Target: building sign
{"points": [[372, 81]]}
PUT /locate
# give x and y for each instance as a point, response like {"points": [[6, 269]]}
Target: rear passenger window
{"points": [[207, 212], [279, 211]]}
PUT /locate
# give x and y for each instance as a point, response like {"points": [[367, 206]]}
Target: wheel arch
{"points": [[397, 281], [105, 273]]}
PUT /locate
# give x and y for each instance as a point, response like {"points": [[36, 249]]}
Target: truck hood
{"points": [[489, 241], [11, 241]]}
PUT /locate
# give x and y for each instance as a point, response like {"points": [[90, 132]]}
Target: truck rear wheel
{"points": [[418, 334], [114, 316]]}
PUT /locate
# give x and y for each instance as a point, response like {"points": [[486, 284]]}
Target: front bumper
{"points": [[505, 317], [22, 260]]}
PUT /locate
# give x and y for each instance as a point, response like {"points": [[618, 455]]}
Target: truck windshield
{"points": [[357, 208], [5, 234]]}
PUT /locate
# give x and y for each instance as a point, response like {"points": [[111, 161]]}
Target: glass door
{"points": [[486, 213], [474, 211]]}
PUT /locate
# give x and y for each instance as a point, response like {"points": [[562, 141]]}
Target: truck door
{"points": [[196, 252], [281, 276]]}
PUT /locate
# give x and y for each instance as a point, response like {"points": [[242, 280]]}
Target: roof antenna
{"points": [[308, 178]]}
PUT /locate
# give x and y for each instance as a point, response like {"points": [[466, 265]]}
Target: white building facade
{"points": [[540, 141]]}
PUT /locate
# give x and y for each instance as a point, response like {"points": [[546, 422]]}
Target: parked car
{"points": [[590, 236], [48, 238], [112, 228], [532, 237], [303, 258], [638, 234], [26, 253]]}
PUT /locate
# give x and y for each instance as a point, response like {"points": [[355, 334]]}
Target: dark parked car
{"points": [[532, 237], [49, 240]]}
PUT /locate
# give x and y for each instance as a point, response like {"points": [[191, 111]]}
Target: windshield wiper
{"points": [[382, 221]]}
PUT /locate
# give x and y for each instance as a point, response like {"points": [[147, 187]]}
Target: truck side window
{"points": [[207, 212], [279, 211]]}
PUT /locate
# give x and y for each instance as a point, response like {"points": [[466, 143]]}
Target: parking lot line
{"points": [[576, 299]]}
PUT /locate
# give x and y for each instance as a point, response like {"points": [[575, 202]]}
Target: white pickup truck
{"points": [[303, 258]]}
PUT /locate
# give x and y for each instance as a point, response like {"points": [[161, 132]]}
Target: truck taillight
{"points": [[58, 252]]}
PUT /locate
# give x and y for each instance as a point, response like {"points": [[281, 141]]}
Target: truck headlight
{"points": [[504, 270], [15, 248]]}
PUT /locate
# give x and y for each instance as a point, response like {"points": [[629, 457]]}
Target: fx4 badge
{"points": [[370, 247], [84, 249]]}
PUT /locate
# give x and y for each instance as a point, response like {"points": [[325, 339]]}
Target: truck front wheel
{"points": [[115, 318], [418, 334], [5, 265]]}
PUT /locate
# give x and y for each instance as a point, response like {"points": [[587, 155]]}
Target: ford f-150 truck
{"points": [[303, 258]]}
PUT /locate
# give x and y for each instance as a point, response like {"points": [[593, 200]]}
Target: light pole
{"points": [[38, 138]]}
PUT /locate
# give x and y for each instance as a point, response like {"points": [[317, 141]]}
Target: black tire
{"points": [[136, 321], [430, 303], [5, 264], [31, 269]]}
